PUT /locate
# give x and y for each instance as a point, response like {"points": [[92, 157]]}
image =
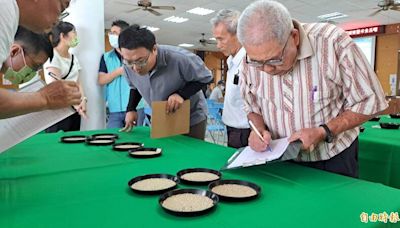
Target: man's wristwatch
{"points": [[329, 135]]}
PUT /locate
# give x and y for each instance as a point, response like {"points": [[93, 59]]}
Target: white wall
{"points": [[88, 18]]}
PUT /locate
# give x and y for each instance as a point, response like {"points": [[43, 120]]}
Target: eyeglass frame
{"points": [[140, 63], [269, 62]]}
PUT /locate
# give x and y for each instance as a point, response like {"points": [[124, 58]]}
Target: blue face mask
{"points": [[23, 75], [113, 39]]}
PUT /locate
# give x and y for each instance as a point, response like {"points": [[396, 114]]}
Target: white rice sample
{"points": [[187, 202], [153, 184], [200, 176], [234, 190]]}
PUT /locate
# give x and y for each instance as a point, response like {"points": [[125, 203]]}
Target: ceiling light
{"points": [[153, 29], [331, 16], [176, 19], [185, 45], [200, 11], [212, 38]]}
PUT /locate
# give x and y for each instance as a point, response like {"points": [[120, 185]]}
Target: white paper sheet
{"points": [[16, 129], [249, 157]]}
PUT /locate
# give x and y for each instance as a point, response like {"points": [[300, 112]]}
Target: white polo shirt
{"points": [[233, 114]]}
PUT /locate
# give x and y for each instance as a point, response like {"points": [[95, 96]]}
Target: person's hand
{"points": [[174, 103], [256, 143], [130, 121], [81, 108], [394, 106], [119, 71], [310, 137], [61, 94]]}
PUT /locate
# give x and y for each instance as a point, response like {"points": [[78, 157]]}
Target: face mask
{"points": [[222, 87], [74, 42], [23, 75], [113, 39]]}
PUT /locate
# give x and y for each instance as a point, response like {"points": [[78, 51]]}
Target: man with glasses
{"points": [[309, 82], [38, 16], [224, 28], [163, 73], [27, 55], [116, 88]]}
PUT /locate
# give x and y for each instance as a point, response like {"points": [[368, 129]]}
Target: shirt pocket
{"points": [[268, 104]]}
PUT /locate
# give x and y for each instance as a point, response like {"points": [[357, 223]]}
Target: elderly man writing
{"points": [[309, 82]]}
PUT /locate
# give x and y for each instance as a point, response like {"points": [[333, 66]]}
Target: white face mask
{"points": [[113, 39]]}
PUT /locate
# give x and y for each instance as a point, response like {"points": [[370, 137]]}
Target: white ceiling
{"points": [[190, 31]]}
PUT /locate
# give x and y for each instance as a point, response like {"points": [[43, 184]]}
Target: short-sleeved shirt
{"points": [[9, 17], [103, 66], [233, 114], [216, 94], [175, 67], [63, 65], [331, 76]]}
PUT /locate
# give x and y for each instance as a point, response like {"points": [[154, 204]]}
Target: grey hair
{"points": [[263, 21], [229, 18]]}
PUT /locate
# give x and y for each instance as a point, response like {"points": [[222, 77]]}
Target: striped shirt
{"points": [[330, 76]]}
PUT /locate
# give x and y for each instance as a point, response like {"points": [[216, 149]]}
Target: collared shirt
{"points": [[9, 17], [175, 67], [331, 76], [233, 114]]}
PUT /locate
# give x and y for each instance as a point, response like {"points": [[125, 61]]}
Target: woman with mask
{"points": [[65, 66]]}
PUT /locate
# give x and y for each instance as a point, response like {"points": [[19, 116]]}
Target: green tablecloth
{"points": [[379, 153], [44, 183]]}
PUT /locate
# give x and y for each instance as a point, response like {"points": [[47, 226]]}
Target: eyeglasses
{"points": [[139, 63], [63, 15], [270, 62]]}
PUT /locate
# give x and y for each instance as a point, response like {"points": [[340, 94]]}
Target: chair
{"points": [[147, 116], [215, 126]]}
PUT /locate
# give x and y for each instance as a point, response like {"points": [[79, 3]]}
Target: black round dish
{"points": [[192, 170], [377, 118], [238, 182], [165, 176], [390, 125], [97, 142], [74, 139], [395, 116], [202, 192], [135, 155], [116, 146], [105, 136]]}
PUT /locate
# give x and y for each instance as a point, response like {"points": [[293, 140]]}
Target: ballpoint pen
{"points": [[53, 75], [258, 134]]}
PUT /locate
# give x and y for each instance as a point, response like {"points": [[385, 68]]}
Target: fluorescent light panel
{"points": [[331, 16], [176, 19], [200, 11], [153, 29], [185, 45]]}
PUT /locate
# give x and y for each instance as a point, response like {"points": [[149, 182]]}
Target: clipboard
{"points": [[164, 125], [291, 152]]}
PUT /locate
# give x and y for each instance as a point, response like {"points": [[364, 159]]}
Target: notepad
{"points": [[249, 157], [17, 129]]}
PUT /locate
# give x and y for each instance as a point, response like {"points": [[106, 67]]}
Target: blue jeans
{"points": [[116, 120], [140, 117]]}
